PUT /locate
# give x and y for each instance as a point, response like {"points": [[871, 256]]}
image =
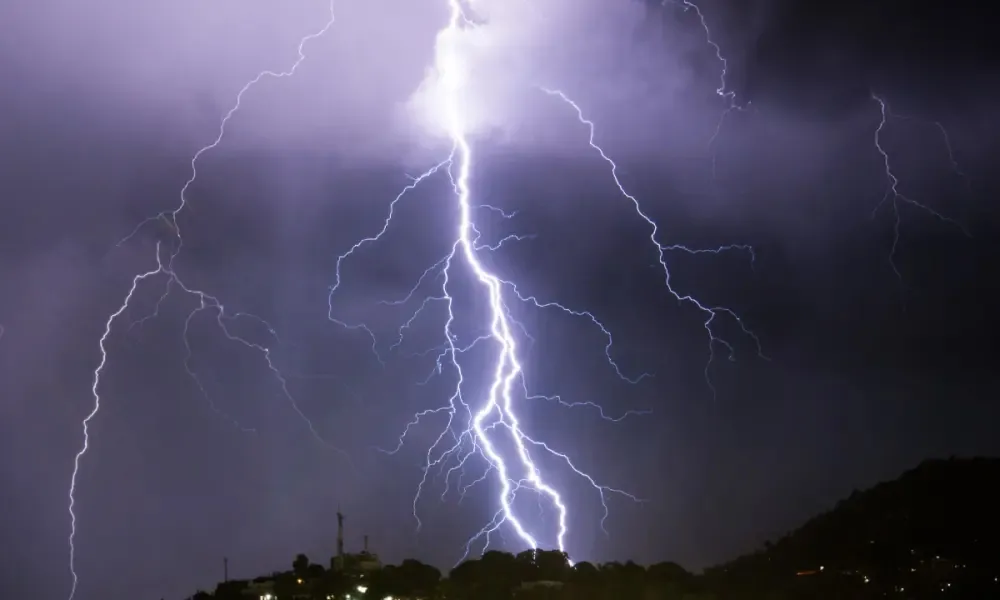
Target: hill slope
{"points": [[935, 525]]}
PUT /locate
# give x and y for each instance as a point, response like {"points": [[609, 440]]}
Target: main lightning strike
{"points": [[455, 444], [496, 414], [206, 302], [499, 403]]}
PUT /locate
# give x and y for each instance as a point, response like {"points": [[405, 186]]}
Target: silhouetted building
{"points": [[361, 563]]}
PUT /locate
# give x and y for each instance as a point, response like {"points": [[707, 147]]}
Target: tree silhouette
{"points": [[300, 566], [332, 583], [933, 526], [552, 565]]}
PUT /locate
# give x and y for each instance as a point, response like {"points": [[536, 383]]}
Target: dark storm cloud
{"points": [[107, 101], [929, 56]]}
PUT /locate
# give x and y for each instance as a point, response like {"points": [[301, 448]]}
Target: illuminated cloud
{"points": [[366, 87]]}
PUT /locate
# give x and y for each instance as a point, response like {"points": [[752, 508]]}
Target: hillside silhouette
{"points": [[931, 533], [934, 527]]}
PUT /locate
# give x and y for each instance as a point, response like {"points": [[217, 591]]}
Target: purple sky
{"points": [[106, 102]]}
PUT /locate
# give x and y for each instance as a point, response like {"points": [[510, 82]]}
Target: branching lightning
{"points": [[495, 414], [206, 302], [474, 429], [892, 193], [728, 96], [710, 312]]}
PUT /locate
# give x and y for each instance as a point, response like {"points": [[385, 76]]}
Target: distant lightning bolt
{"points": [[892, 193], [206, 301], [723, 91], [93, 413]]}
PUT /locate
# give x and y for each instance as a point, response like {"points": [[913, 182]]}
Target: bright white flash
{"points": [[483, 427], [495, 413]]}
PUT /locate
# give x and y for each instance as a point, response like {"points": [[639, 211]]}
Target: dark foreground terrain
{"points": [[931, 533]]}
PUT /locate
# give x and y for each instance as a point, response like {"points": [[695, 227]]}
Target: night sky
{"points": [[879, 338]]}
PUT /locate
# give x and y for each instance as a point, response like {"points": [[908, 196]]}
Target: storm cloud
{"points": [[365, 89]]}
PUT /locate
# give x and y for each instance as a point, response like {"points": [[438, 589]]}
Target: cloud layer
{"points": [[366, 88]]}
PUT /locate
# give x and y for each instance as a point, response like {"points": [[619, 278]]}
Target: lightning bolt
{"points": [[474, 429], [206, 302], [728, 96], [711, 312], [893, 195]]}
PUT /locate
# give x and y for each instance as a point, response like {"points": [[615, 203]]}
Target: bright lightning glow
{"points": [[495, 413], [892, 193], [477, 428], [499, 402], [206, 302]]}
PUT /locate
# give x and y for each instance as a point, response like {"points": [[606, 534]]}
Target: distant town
{"points": [[931, 533]]}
